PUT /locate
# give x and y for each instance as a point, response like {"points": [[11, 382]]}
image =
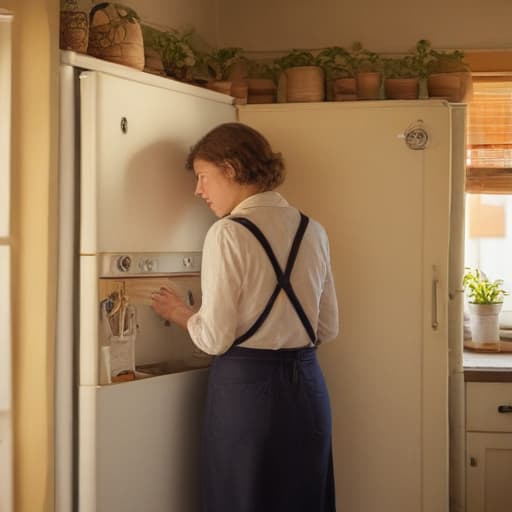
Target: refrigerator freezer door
{"points": [[386, 210], [135, 193], [140, 444]]}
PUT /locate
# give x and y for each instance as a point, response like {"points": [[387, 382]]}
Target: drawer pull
{"points": [[504, 408]]}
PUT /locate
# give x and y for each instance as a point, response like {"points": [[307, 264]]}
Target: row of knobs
{"points": [[124, 263]]}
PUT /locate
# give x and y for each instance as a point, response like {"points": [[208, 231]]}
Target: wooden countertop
{"points": [[487, 366]]}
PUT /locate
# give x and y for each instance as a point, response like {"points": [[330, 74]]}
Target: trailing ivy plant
{"points": [[481, 290]]}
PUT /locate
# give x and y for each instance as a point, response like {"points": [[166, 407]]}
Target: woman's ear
{"points": [[230, 172]]}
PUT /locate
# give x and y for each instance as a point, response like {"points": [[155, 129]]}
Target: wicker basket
{"points": [[304, 84], [115, 35], [74, 31]]}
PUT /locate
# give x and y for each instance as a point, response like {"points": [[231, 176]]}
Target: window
{"points": [[489, 180]]}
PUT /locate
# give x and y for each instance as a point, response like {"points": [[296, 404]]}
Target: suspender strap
{"points": [[283, 279]]}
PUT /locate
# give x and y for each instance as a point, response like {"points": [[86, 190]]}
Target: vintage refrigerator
{"points": [[130, 387], [378, 175], [386, 180]]}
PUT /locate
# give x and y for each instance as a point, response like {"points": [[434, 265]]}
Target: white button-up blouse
{"points": [[237, 280]]}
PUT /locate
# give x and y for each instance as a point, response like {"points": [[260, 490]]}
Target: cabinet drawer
{"points": [[483, 404]]}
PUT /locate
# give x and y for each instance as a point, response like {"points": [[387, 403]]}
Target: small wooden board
{"points": [[490, 347]]}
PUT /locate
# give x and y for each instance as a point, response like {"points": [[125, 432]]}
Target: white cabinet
{"points": [[489, 447]]}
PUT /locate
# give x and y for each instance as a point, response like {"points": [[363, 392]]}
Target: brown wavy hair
{"points": [[245, 149]]}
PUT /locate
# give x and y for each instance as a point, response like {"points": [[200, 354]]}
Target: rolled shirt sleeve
{"points": [[213, 327]]}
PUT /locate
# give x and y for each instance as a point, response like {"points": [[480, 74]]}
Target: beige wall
{"points": [[34, 166], [385, 26], [201, 14], [177, 14], [263, 25]]}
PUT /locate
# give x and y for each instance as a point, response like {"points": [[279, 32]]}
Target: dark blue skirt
{"points": [[267, 434]]}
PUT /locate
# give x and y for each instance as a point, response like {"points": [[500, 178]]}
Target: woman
{"points": [[268, 301]]}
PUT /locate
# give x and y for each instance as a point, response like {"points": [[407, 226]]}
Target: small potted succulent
{"points": [[485, 303], [305, 80]]}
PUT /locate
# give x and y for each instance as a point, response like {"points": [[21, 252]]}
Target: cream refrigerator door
{"points": [[386, 210], [135, 193]]}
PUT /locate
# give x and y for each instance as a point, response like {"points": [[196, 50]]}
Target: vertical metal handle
{"points": [[435, 291]]}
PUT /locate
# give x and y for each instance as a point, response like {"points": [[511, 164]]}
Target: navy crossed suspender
{"points": [[283, 278]]}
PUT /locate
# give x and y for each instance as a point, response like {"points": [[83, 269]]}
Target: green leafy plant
{"points": [[423, 56], [176, 51], [446, 62], [296, 58], [481, 290], [364, 60], [337, 62], [401, 67], [220, 61]]}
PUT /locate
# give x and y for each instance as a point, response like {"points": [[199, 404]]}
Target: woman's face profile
{"points": [[217, 187]]}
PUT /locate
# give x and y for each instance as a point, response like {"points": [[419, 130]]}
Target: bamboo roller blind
{"points": [[489, 149]]}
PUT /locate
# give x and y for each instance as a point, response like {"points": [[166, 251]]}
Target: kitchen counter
{"points": [[487, 367]]}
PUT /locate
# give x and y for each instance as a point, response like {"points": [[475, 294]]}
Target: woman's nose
{"points": [[198, 191]]}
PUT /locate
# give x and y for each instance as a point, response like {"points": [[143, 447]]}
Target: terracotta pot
{"points": [[455, 87], [368, 85], [74, 31], [305, 84], [401, 88], [345, 89], [345, 86], [261, 90], [223, 86], [114, 37]]}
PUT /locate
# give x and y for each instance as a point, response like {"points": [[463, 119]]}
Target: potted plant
{"points": [[176, 51], [304, 76], [261, 81], [367, 65], [485, 302], [219, 64], [449, 76], [401, 78], [339, 68]]}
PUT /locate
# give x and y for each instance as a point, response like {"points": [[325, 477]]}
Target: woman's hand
{"points": [[170, 306]]}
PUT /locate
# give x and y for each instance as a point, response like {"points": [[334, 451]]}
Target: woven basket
{"points": [[304, 84], [74, 31], [116, 36]]}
